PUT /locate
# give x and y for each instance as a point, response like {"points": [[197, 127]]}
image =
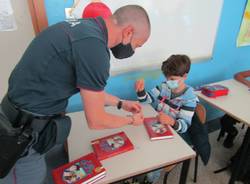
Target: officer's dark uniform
{"points": [[60, 60]]}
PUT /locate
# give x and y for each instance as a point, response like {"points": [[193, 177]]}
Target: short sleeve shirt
{"points": [[60, 60]]}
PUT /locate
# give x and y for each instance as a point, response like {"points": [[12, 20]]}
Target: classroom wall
{"points": [[226, 60], [13, 43]]}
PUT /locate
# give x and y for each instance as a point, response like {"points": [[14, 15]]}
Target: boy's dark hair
{"points": [[176, 65]]}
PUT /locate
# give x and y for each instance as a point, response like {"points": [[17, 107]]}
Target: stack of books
{"points": [[88, 169], [85, 170]]}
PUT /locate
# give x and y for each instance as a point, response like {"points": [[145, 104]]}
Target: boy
{"points": [[173, 99]]}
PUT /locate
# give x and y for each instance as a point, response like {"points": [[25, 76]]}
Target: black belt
{"points": [[20, 118]]}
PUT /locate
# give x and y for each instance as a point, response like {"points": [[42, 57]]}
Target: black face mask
{"points": [[122, 51]]}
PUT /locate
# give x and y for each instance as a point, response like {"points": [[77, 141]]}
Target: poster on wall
{"points": [[244, 34], [7, 19]]}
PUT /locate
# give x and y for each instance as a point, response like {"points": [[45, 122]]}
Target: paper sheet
{"points": [[7, 19]]}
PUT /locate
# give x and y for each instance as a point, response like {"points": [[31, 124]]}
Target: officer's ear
{"points": [[127, 34]]}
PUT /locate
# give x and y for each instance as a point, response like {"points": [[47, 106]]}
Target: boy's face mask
{"points": [[173, 84], [122, 51]]}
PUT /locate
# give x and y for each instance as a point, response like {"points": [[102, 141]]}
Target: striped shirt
{"points": [[180, 106]]}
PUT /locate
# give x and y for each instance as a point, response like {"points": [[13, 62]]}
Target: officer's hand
{"points": [[137, 119], [131, 106]]}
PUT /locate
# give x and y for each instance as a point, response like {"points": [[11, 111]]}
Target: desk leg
{"points": [[184, 171], [244, 154]]}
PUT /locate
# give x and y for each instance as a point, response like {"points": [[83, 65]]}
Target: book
{"points": [[85, 170], [157, 130], [215, 90], [111, 145]]}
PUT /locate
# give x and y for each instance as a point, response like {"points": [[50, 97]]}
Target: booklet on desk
{"points": [[215, 90], [85, 170], [156, 130], [111, 145]]}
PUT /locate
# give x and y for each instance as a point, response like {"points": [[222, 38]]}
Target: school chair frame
{"points": [[201, 114]]}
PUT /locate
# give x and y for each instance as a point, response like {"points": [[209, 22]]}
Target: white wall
{"points": [[13, 43], [177, 27]]}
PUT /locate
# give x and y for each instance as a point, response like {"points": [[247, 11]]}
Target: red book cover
{"points": [[85, 170], [156, 130], [111, 145]]}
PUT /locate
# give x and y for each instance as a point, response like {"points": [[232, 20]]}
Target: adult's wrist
{"points": [[131, 120]]}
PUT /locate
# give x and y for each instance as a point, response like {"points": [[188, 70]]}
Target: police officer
{"points": [[71, 57]]}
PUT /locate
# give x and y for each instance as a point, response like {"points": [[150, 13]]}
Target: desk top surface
{"points": [[147, 155], [236, 103]]}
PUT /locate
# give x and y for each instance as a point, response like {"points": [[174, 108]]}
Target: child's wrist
{"points": [[141, 92], [175, 126], [173, 122]]}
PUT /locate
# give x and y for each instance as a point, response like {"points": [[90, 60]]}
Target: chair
{"points": [[200, 112]]}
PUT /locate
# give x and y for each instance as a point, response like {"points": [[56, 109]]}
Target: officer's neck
{"points": [[114, 32]]}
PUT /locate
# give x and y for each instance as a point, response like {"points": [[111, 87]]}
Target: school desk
{"points": [[146, 156], [235, 104]]}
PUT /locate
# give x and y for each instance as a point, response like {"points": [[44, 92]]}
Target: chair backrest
{"points": [[201, 113]]}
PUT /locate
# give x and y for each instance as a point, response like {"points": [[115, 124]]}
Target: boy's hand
{"points": [[137, 119], [139, 85], [131, 106], [165, 119]]}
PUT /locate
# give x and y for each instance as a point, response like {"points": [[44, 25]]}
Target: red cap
{"points": [[95, 9]]}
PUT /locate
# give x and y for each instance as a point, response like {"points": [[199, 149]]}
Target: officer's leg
{"points": [[30, 169], [9, 179]]}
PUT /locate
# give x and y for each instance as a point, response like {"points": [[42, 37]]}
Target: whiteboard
{"points": [[177, 27]]}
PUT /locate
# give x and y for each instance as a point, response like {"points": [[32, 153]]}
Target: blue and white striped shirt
{"points": [[180, 107]]}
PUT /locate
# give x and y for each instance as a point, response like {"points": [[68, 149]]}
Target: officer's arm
{"points": [[110, 100], [96, 116]]}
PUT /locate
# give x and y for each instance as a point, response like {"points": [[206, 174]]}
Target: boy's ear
{"points": [[185, 76]]}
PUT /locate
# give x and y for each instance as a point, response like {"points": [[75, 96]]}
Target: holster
{"points": [[55, 132], [17, 128], [13, 142]]}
